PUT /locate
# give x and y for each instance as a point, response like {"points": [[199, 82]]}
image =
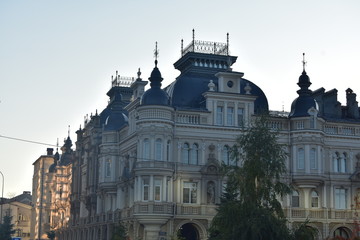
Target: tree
{"points": [[6, 228], [250, 208], [119, 232]]}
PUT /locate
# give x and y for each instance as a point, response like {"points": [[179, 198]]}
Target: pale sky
{"points": [[57, 57]]}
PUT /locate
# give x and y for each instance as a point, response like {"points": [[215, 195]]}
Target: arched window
{"points": [[336, 162], [313, 159], [339, 162], [146, 149], [185, 153], [158, 150], [314, 199], [295, 199], [301, 159], [341, 232], [194, 158], [225, 155], [343, 159]]}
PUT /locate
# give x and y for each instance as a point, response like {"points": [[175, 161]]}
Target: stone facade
{"points": [[153, 162]]}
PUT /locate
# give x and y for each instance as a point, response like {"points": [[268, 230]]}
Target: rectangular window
{"points": [[158, 150], [157, 190], [301, 159], [313, 159], [230, 116], [146, 189], [108, 168], [340, 198], [300, 125], [190, 192], [219, 115], [146, 150], [240, 117]]}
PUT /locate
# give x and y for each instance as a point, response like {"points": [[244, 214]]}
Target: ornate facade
{"points": [[51, 191], [151, 158]]}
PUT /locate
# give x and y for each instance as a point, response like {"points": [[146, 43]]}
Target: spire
{"points": [[155, 77], [303, 62], [304, 81], [227, 44], [156, 54]]}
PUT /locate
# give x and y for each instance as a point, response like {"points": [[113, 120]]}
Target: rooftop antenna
{"points": [[304, 62]]}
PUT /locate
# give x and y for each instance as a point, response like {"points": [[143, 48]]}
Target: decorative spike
{"points": [[182, 47], [304, 62]]}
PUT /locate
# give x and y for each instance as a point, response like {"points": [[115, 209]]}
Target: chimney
{"points": [[351, 104], [50, 151]]}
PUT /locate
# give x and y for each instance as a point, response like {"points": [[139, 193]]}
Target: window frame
{"points": [[192, 191]]}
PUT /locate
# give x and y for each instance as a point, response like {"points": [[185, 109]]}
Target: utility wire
{"points": [[28, 141]]}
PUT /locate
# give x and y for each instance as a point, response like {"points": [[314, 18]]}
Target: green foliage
{"points": [[177, 236], [305, 232], [119, 232], [6, 228], [249, 207]]}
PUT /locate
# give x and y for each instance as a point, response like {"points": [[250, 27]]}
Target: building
{"points": [[51, 191], [151, 158], [19, 207]]}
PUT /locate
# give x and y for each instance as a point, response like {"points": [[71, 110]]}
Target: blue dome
{"points": [[155, 95], [115, 121], [301, 105]]}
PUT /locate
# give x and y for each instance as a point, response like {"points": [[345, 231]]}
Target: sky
{"points": [[57, 58]]}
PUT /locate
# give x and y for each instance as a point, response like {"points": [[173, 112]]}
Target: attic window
{"points": [[230, 84]]}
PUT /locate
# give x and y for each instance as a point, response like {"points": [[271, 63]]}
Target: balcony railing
{"points": [[319, 213]]}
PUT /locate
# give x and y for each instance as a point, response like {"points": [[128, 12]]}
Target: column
{"points": [[164, 189]]}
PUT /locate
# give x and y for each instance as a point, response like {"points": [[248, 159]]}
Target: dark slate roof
{"points": [[114, 116], [187, 91]]}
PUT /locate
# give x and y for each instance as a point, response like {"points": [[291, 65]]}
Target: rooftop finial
{"points": [[193, 34], [69, 131], [227, 44], [139, 74], [156, 54], [304, 62]]}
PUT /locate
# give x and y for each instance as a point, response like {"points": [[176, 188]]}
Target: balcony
{"points": [[155, 165], [153, 208], [313, 214]]}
